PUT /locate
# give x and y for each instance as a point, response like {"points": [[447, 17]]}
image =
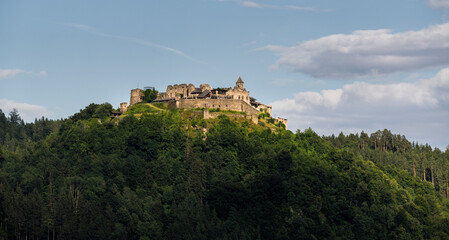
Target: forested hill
{"points": [[160, 174]]}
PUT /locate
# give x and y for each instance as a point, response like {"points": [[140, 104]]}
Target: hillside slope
{"points": [[173, 175]]}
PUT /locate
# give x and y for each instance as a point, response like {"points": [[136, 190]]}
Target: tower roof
{"points": [[240, 80]]}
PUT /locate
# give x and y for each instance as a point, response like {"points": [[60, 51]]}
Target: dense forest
{"points": [[169, 174]]}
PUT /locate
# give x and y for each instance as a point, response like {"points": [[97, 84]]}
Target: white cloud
{"points": [[419, 110], [367, 53], [28, 112], [443, 4], [8, 73]]}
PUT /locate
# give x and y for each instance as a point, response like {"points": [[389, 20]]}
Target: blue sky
{"points": [[335, 66]]}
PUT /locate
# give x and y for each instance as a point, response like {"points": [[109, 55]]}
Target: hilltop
{"points": [[205, 97], [157, 173]]}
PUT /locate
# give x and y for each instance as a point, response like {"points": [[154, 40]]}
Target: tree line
{"points": [[387, 150]]}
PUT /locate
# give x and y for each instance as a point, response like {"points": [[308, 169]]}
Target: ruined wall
{"points": [[205, 87], [208, 115], [162, 95], [282, 120], [224, 104], [184, 90], [178, 89], [172, 104], [265, 108]]}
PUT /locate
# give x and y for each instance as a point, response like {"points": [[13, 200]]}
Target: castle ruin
{"points": [[205, 97]]}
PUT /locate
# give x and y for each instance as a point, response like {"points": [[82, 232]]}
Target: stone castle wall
{"points": [[178, 89], [282, 120], [208, 115], [224, 104]]}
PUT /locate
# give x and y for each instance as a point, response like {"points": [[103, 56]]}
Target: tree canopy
{"points": [[150, 95], [169, 174]]}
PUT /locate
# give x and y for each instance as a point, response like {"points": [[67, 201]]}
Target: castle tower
{"points": [[136, 96], [239, 83], [123, 107]]}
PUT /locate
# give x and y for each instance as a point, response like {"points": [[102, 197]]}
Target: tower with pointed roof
{"points": [[239, 83]]}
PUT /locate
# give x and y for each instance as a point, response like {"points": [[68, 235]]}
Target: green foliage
{"points": [[226, 111], [281, 125], [265, 119], [160, 105], [263, 114], [150, 95], [221, 110], [14, 133], [390, 151], [101, 111], [160, 176], [142, 108]]}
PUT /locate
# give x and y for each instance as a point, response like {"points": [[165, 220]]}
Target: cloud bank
{"points": [[367, 53], [419, 109], [28, 112]]}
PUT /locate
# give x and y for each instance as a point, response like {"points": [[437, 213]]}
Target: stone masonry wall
{"points": [[282, 120], [238, 94], [224, 104], [254, 118], [178, 89]]}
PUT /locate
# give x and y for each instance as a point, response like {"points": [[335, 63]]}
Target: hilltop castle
{"points": [[188, 96]]}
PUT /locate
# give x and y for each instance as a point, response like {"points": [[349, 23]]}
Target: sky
{"points": [[335, 66]]}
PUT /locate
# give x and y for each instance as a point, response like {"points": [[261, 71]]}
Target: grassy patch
{"points": [[160, 105], [265, 120], [142, 108]]}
